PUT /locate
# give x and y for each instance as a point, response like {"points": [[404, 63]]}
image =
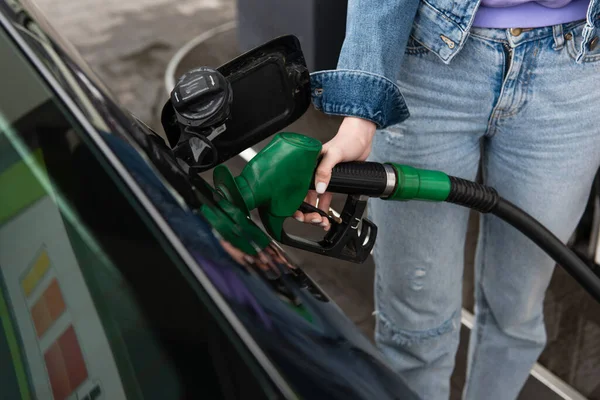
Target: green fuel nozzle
{"points": [[276, 181]]}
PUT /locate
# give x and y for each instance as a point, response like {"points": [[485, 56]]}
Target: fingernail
{"points": [[324, 223], [316, 221], [321, 186], [300, 219]]}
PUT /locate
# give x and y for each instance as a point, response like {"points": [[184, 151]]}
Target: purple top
{"points": [[528, 13]]}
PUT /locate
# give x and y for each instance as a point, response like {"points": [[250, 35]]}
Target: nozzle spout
{"points": [[275, 181]]}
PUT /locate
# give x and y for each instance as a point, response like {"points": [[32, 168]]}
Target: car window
{"points": [[93, 304]]}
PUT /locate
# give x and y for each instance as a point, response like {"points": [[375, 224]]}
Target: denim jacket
{"points": [[363, 85]]}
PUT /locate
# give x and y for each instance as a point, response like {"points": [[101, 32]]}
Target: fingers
{"points": [[313, 218], [299, 216], [352, 142], [324, 203], [310, 218], [311, 198], [331, 157]]}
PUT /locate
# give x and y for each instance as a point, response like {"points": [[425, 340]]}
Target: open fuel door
{"points": [[269, 88]]}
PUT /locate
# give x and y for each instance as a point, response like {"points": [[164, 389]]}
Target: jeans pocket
{"points": [[415, 48], [574, 45]]}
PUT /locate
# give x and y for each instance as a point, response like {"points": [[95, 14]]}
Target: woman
{"points": [[509, 85]]}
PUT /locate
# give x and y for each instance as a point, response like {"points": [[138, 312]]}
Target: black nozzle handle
{"points": [[360, 178]]}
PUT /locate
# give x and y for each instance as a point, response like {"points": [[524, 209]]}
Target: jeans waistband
{"points": [[516, 36]]}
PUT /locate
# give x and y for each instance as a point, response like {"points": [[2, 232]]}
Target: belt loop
{"points": [[559, 37]]}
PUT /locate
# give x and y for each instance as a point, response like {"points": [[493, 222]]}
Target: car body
{"points": [[115, 284]]}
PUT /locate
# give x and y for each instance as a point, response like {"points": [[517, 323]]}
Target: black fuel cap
{"points": [[202, 98]]}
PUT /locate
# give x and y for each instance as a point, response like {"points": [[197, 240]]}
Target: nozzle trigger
{"points": [[309, 208], [352, 239]]}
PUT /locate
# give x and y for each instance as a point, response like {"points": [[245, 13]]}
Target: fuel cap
{"points": [[202, 98]]}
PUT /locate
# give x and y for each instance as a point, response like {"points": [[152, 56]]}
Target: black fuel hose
{"points": [[546, 240], [373, 179], [487, 200]]}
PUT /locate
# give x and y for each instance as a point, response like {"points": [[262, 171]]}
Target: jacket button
{"points": [[448, 41], [594, 43], [516, 31]]}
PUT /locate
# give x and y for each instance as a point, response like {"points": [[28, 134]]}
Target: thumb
{"points": [[331, 156]]}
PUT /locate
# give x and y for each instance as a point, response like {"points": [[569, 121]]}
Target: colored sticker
{"points": [[36, 273], [48, 308], [19, 188], [65, 365]]}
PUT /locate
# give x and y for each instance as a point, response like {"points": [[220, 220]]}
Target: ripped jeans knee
{"points": [[413, 350], [389, 332]]}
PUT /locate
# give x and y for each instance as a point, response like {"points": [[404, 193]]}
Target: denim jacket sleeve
{"points": [[363, 85]]}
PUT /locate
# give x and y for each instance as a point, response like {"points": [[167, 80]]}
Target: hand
{"points": [[352, 142]]}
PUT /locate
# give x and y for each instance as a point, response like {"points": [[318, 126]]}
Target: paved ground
{"points": [[129, 43]]}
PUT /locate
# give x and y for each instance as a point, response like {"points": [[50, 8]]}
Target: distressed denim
{"points": [[377, 34], [522, 109]]}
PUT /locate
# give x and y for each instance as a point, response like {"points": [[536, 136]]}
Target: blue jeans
{"points": [[523, 110]]}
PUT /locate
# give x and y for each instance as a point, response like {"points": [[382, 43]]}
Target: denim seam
{"points": [[390, 95], [573, 53], [481, 316], [522, 101], [534, 39], [357, 114], [417, 51], [407, 338], [516, 107], [480, 321], [492, 124], [354, 72], [501, 41], [493, 118], [566, 28], [443, 14], [432, 51]]}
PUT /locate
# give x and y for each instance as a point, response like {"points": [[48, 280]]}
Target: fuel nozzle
{"points": [[276, 182]]}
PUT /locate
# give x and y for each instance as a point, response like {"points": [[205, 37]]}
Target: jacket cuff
{"points": [[359, 94]]}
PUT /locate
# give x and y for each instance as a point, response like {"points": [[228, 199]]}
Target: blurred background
{"points": [[138, 46]]}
